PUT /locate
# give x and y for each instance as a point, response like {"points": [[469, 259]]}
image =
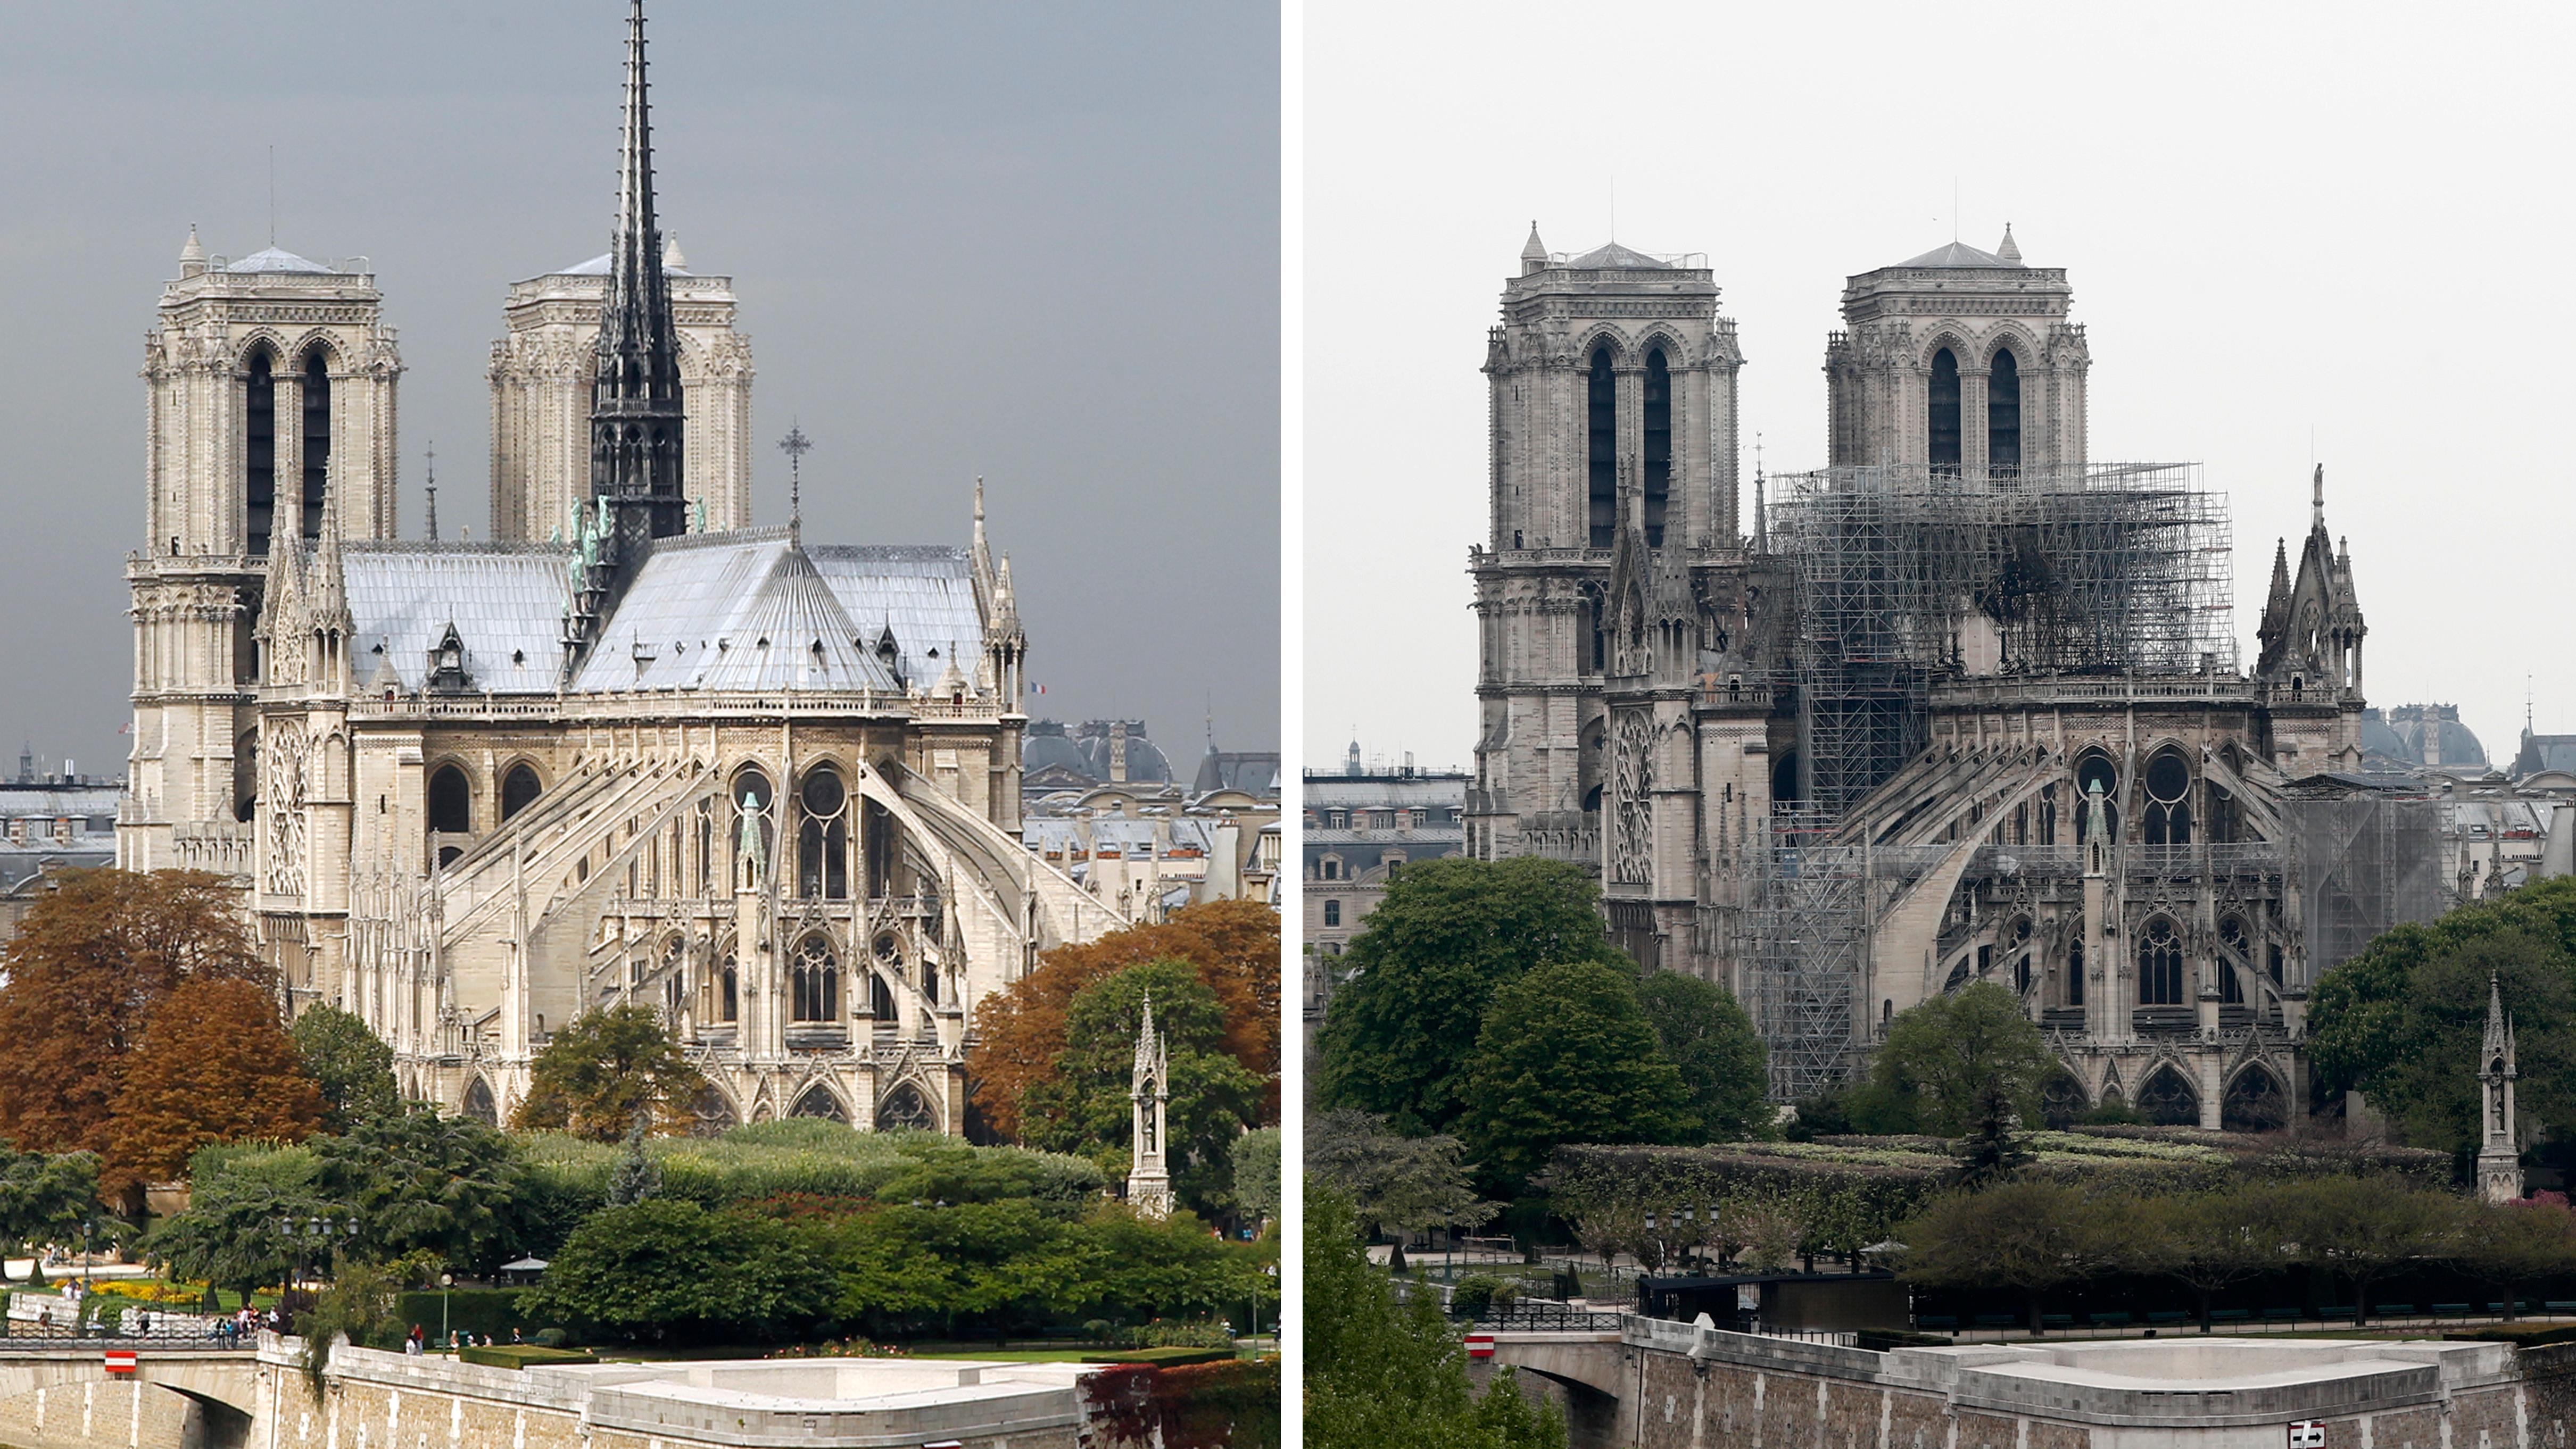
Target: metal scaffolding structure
{"points": [[2365, 864], [1906, 575], [1808, 910]]}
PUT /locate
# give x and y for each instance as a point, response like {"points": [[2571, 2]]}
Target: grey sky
{"points": [[2278, 220], [1037, 243]]}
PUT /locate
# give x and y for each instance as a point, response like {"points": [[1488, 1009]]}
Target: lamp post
{"points": [[446, 1291]]}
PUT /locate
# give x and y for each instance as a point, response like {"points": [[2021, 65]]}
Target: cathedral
{"points": [[626, 749], [1962, 705]]}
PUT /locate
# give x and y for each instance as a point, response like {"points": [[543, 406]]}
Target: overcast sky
{"points": [[1037, 243], [2281, 223]]}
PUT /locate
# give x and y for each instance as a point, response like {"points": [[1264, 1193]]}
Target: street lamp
{"points": [[446, 1291]]}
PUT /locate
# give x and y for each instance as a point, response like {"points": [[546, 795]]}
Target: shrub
{"points": [[1478, 1292], [1165, 1357], [493, 1311]]}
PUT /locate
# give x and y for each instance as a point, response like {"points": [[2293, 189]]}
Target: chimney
{"points": [[1118, 752]]}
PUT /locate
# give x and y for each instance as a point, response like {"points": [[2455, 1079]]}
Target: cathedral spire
{"points": [[635, 446], [2317, 503]]}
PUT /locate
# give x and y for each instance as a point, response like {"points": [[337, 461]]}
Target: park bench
{"points": [[2057, 1320], [2230, 1315], [2168, 1316], [2109, 1320], [2561, 1305], [2279, 1314], [1996, 1320], [2394, 1310], [2457, 1310], [1936, 1320]]}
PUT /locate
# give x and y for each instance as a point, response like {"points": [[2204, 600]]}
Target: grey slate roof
{"points": [[1959, 254], [698, 608], [730, 611], [1614, 255], [505, 600], [274, 260]]}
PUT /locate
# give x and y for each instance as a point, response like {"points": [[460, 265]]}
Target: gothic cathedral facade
{"points": [[627, 750], [1810, 754]]}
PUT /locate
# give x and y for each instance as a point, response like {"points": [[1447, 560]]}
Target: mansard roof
{"points": [[730, 612], [506, 600]]}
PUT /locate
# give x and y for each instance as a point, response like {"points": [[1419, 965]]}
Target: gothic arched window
{"points": [[2003, 416], [2075, 973], [729, 1002], [259, 469], [823, 838], [2160, 965], [880, 998], [519, 789], [317, 440], [451, 801], [1659, 444], [2096, 769], [2168, 800], [816, 982], [749, 832], [1945, 413], [1602, 410]]}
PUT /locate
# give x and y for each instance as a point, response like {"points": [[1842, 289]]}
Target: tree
{"points": [[350, 1063], [236, 1228], [2206, 1241], [1256, 1173], [668, 1270], [214, 1066], [2365, 1228], [2405, 1020], [1566, 1055], [360, 1304], [1235, 946], [2032, 1235], [1995, 1147], [1384, 1374], [1393, 1183], [603, 1070], [420, 1182], [45, 1197], [90, 962], [2510, 1244], [1946, 1051], [1447, 936], [1708, 1036], [635, 1177], [1087, 1107]]}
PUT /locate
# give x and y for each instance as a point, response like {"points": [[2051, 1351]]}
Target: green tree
{"points": [[1383, 1374], [1995, 1146], [350, 1063], [45, 1197], [2366, 1228], [2209, 1240], [906, 1268], [1086, 1107], [421, 1182], [1394, 1183], [1709, 1038], [1256, 1172], [360, 1304], [2510, 1244], [606, 1068], [2030, 1235], [1945, 1052], [1447, 935], [1566, 1055], [2404, 1021], [235, 1230], [670, 1271]]}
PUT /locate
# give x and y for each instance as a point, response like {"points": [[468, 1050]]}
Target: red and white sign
{"points": [[2307, 1434], [1480, 1345], [120, 1360]]}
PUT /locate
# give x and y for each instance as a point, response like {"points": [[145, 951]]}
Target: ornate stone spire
{"points": [[1149, 1178], [2009, 251], [2499, 1156], [1534, 252], [635, 416]]}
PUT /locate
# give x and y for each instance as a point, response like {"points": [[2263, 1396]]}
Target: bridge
{"points": [[180, 1395], [1591, 1373]]}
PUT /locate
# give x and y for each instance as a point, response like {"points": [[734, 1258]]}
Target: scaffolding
{"points": [[1907, 575], [2365, 863]]}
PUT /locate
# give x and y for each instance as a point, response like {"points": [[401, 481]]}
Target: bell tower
{"points": [[269, 387]]}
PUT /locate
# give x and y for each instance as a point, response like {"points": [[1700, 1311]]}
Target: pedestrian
{"points": [[514, 1334], [418, 1343]]}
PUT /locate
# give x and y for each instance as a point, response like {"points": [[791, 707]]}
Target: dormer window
{"points": [[447, 661]]}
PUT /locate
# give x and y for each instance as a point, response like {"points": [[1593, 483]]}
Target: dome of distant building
{"points": [[1048, 747], [1102, 742], [2432, 736]]}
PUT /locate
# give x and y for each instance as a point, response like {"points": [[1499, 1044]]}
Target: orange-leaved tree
{"points": [[91, 962], [1235, 945], [214, 1066]]}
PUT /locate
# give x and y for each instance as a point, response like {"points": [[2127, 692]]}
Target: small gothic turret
{"points": [[2499, 1158], [1149, 1179]]}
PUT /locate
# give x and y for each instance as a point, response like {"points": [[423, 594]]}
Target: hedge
{"points": [[522, 1355], [1166, 1357]]}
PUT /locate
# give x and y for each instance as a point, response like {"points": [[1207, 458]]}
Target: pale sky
{"points": [[2294, 233], [1036, 243]]}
